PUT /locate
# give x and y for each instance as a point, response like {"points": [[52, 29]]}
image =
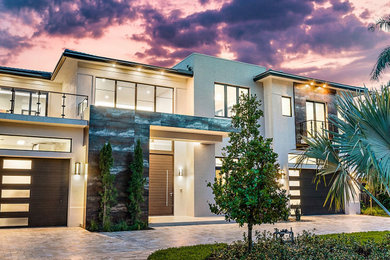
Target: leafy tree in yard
{"points": [[108, 193], [248, 191], [136, 186]]}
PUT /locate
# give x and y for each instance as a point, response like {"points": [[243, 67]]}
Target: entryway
{"points": [[33, 192], [160, 184]]}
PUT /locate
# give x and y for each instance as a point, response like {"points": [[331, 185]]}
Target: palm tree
{"points": [[360, 149], [384, 57]]}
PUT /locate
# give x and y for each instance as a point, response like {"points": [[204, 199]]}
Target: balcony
{"points": [[312, 128], [38, 103]]}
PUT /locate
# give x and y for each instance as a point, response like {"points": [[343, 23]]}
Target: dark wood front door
{"points": [[36, 195], [160, 185]]}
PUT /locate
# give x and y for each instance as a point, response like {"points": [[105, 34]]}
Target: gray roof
{"points": [[89, 57], [282, 74], [26, 73]]}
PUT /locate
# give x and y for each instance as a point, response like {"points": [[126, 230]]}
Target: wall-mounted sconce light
{"points": [[282, 177], [181, 172], [77, 168]]}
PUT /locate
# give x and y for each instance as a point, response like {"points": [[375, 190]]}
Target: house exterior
{"points": [[53, 125]]}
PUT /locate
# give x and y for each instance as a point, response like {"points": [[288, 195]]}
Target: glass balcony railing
{"points": [[313, 128], [43, 103]]}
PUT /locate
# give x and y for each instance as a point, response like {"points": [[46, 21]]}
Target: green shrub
{"points": [[374, 211], [94, 226], [307, 246]]}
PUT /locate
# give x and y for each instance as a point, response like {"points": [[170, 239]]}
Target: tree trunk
{"points": [[250, 227]]}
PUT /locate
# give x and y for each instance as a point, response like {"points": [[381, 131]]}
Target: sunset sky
{"points": [[321, 39]]}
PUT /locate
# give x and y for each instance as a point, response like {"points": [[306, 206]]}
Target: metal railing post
{"points": [[12, 109], [63, 105], [38, 104]]}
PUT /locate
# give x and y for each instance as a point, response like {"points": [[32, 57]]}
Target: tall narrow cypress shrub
{"points": [[136, 186], [108, 193]]}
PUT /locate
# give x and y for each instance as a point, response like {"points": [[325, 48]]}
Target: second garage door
{"points": [[33, 192], [311, 196]]}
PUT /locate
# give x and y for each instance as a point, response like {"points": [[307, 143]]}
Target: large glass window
{"points": [[125, 97], [219, 100], [315, 117], [130, 95], [105, 92], [145, 97], [29, 143], [226, 97], [164, 100]]}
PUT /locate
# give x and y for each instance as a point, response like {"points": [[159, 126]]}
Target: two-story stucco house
{"points": [[52, 126]]}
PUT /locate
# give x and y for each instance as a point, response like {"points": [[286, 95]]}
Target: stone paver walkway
{"points": [[77, 243]]}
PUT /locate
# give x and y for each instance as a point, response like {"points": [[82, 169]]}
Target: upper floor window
{"points": [[315, 117], [286, 106], [130, 95], [226, 97]]}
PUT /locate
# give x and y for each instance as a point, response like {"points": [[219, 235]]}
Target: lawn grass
{"points": [[201, 252], [186, 252], [376, 236]]}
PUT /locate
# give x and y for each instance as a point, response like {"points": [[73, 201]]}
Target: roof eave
{"points": [[25, 73], [269, 73], [88, 57]]}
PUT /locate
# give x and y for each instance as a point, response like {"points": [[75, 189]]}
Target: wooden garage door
{"points": [[33, 192], [313, 196], [160, 185]]}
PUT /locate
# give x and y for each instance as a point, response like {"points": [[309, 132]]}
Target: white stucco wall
{"points": [[204, 172], [278, 127], [184, 185]]}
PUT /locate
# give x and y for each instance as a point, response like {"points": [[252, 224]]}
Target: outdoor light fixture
{"points": [[77, 168], [324, 86], [312, 83], [281, 180], [181, 172]]}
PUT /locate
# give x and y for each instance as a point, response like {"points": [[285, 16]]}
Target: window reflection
{"points": [[130, 95], [125, 95], [105, 92], [145, 97], [164, 100], [225, 97]]}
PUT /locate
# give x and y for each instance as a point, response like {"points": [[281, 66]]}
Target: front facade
{"points": [[52, 126]]}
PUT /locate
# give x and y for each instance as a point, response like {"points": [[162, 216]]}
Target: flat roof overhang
{"points": [[186, 134], [42, 120], [116, 62], [302, 79]]}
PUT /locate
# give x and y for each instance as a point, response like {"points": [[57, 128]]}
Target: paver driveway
{"points": [[77, 243]]}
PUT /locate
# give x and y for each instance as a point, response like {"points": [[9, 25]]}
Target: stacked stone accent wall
{"points": [[122, 128]]}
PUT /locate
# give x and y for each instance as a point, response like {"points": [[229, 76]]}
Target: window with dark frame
{"points": [[225, 97], [132, 95], [286, 106]]}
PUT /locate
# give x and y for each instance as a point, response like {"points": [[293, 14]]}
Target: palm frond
{"points": [[382, 63], [382, 24]]}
